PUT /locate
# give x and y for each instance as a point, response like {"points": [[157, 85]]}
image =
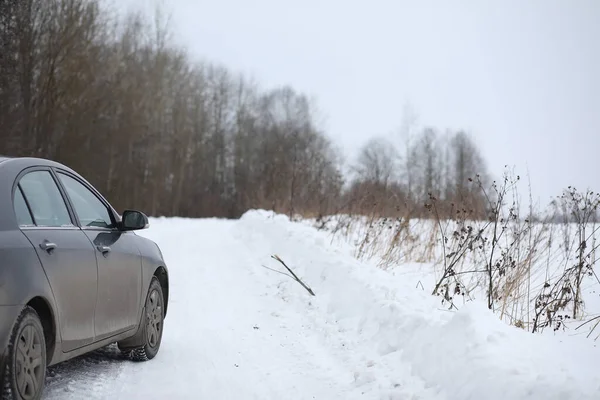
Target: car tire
{"points": [[153, 324], [25, 370]]}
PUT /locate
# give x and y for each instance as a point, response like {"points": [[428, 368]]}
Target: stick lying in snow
{"points": [[309, 290]]}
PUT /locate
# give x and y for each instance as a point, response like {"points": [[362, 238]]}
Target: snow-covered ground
{"points": [[237, 330]]}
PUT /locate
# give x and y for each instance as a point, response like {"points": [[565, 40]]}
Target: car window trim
{"points": [[20, 189], [95, 193], [46, 228], [17, 184]]}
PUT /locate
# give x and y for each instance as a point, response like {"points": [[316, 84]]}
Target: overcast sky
{"points": [[520, 76]]}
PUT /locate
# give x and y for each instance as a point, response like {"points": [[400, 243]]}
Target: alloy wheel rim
{"points": [[29, 362], [154, 318]]}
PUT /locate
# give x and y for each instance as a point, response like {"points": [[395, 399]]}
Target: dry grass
{"points": [[528, 261]]}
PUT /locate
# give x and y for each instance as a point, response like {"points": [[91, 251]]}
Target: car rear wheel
{"points": [[153, 324], [25, 370]]}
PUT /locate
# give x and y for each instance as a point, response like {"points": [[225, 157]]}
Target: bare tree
{"points": [[427, 165], [407, 135], [377, 161], [466, 166]]}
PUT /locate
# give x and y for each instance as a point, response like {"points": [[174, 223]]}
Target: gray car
{"points": [[74, 276]]}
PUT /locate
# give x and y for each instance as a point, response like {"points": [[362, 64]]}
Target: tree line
{"points": [[114, 99], [403, 180]]}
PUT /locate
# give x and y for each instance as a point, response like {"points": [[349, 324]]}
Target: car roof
{"points": [[24, 162]]}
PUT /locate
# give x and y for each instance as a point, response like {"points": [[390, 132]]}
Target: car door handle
{"points": [[103, 249], [47, 246]]}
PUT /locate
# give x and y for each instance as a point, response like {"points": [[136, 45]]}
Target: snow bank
{"points": [[396, 339]]}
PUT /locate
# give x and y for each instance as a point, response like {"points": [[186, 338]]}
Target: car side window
{"points": [[24, 217], [45, 200], [89, 208]]}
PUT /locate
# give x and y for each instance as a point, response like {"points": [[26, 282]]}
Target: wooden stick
{"points": [[309, 290]]}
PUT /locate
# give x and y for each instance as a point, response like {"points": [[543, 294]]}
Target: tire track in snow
{"points": [[89, 373]]}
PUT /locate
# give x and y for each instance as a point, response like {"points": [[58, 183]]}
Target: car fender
{"points": [[152, 259]]}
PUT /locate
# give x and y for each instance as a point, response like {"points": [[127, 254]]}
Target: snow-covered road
{"points": [[237, 330], [225, 336]]}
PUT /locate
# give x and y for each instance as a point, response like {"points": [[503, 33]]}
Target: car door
{"points": [[65, 252], [119, 259]]}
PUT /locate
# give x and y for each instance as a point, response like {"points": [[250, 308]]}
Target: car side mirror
{"points": [[133, 220]]}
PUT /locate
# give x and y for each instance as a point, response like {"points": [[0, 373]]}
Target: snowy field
{"points": [[237, 330]]}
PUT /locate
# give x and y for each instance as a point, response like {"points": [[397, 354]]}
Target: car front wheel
{"points": [[25, 370], [153, 324]]}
